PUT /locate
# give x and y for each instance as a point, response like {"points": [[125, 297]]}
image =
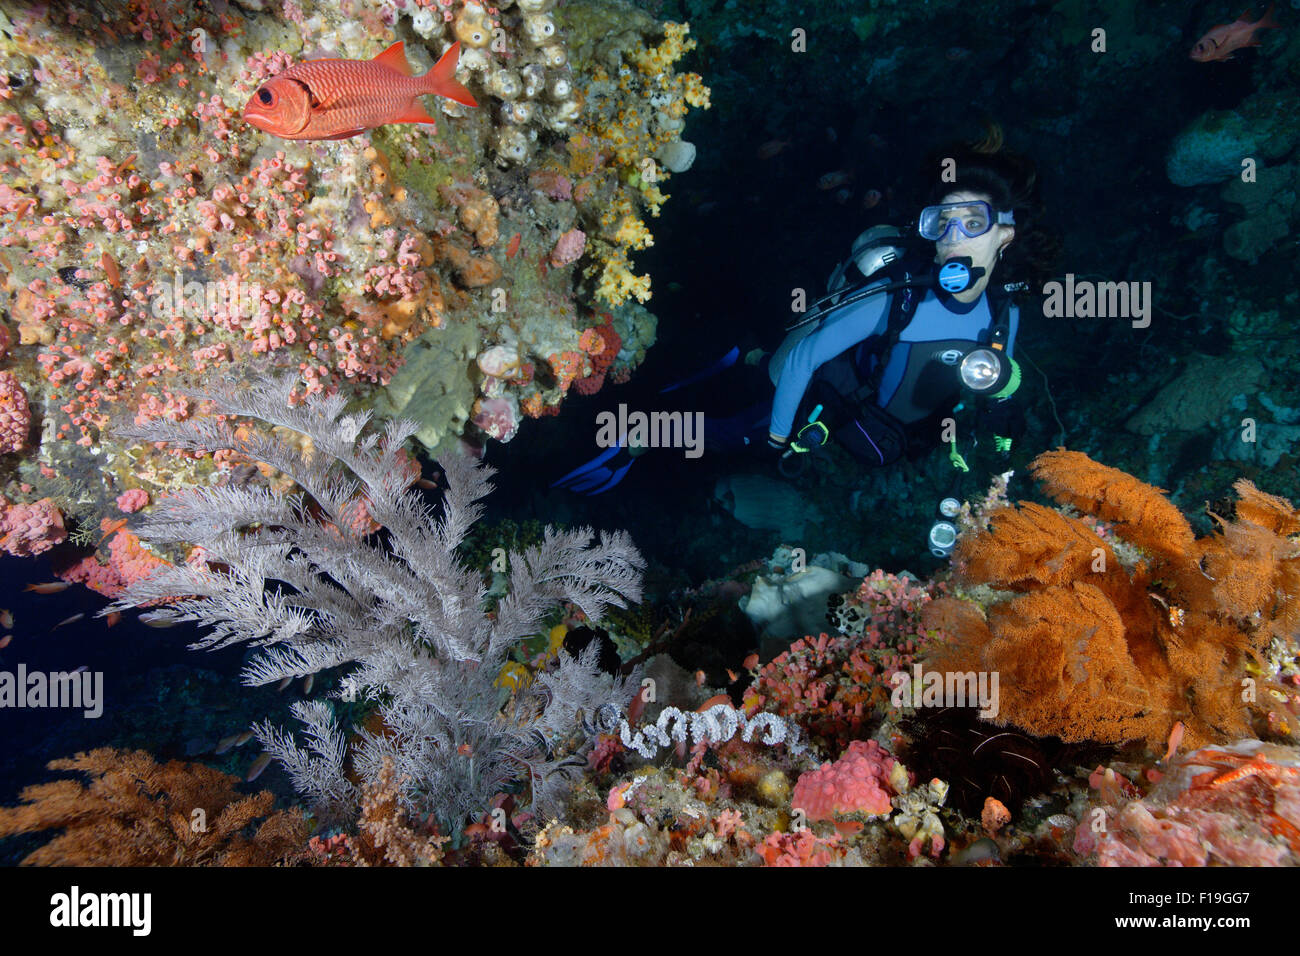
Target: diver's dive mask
{"points": [[970, 219]]}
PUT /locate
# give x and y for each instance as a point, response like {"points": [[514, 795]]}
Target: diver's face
{"points": [[982, 250]]}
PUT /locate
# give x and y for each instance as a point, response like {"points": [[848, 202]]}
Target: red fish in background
{"points": [[1225, 39], [335, 99]]}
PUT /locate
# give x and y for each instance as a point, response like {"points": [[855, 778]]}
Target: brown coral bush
{"points": [[137, 812], [1092, 647]]}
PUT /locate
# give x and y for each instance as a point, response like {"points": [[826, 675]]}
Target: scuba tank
{"points": [[876, 254], [873, 251]]}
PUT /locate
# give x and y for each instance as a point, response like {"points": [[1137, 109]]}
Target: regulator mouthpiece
{"points": [[958, 275]]}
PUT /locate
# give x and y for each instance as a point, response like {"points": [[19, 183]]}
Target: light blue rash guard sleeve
{"points": [[842, 331]]}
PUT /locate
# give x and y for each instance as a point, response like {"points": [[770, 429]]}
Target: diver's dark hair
{"points": [[1010, 180]]}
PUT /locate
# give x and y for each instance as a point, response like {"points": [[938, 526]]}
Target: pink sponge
{"points": [[569, 247], [856, 783]]}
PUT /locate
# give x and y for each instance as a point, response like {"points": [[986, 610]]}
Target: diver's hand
{"points": [[769, 450]]}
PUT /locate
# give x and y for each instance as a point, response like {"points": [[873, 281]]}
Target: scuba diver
{"points": [[878, 369], [905, 338]]}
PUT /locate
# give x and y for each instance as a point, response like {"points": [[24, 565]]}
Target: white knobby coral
{"points": [[716, 725]]}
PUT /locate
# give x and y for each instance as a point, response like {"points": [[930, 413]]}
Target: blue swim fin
{"points": [[720, 365], [600, 474]]}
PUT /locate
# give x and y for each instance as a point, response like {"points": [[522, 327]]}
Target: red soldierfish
{"points": [[336, 99], [1225, 39]]}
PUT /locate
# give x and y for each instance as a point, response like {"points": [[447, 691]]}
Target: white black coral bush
{"points": [[299, 576]]}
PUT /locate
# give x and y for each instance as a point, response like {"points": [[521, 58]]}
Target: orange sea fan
{"points": [[1090, 649], [1267, 511], [1033, 544], [1142, 514], [137, 812]]}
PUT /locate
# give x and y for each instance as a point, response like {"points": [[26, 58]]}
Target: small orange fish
{"points": [[113, 618], [336, 99], [109, 265], [49, 587], [111, 528], [68, 620], [1175, 739], [4, 641], [838, 178], [6, 618], [1220, 42], [514, 245]]}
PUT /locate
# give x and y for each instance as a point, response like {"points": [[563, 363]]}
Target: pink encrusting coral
{"points": [[127, 561], [15, 415], [837, 686], [133, 500], [1237, 806], [27, 529], [858, 782], [804, 848]]}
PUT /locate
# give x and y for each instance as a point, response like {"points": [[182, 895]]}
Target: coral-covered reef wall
{"points": [[465, 273]]}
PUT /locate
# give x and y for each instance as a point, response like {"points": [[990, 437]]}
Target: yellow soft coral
{"points": [[629, 119], [659, 59], [696, 93], [617, 283], [633, 233]]}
